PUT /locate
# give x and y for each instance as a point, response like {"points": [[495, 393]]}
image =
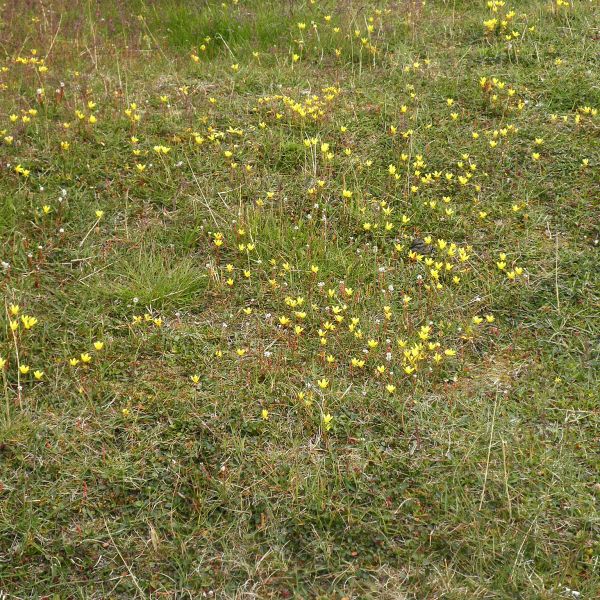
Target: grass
{"points": [[317, 305]]}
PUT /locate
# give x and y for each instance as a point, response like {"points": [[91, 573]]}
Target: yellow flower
{"points": [[240, 351], [28, 322], [424, 332], [14, 309], [327, 422], [24, 369], [38, 375], [99, 214], [73, 362], [264, 414], [85, 358], [98, 346], [195, 379], [390, 388], [323, 383]]}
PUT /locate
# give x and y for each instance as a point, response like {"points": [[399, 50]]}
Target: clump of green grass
{"points": [[150, 278]]}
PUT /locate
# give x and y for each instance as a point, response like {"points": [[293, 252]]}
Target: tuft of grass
{"points": [[156, 280]]}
